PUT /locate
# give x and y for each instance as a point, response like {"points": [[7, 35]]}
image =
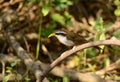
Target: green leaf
{"points": [[67, 15], [117, 2], [58, 18], [27, 79], [99, 24], [69, 3], [19, 76], [99, 20], [106, 62], [97, 36], [102, 37], [60, 7], [6, 78], [8, 71], [63, 1], [15, 62], [117, 12], [66, 79], [45, 10], [117, 34], [47, 31], [70, 23], [91, 52], [106, 26], [9, 68], [91, 67], [92, 23]]}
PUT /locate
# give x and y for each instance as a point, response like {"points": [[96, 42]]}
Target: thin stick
{"points": [[68, 53]]}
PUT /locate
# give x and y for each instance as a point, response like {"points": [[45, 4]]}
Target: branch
{"points": [[68, 53], [112, 66], [24, 56]]}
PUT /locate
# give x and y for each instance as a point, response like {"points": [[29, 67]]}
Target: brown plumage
{"points": [[69, 38], [76, 38]]}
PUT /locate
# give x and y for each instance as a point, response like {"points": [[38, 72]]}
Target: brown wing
{"points": [[77, 39]]}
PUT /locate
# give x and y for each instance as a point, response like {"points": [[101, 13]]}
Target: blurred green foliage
{"points": [[45, 10], [27, 79], [117, 34], [66, 79], [91, 67], [50, 29], [58, 18], [52, 9], [106, 62], [99, 24], [91, 52], [10, 70], [62, 4], [117, 10], [62, 19], [99, 28]]}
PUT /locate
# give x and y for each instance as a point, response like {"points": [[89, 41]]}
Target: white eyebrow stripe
{"points": [[60, 32]]}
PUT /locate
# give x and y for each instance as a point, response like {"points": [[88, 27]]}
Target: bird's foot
{"points": [[73, 47]]}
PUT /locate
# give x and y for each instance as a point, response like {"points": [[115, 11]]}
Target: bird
{"points": [[68, 38]]}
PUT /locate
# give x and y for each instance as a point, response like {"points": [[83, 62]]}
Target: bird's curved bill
{"points": [[53, 34]]}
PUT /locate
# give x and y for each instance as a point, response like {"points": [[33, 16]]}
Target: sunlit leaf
{"points": [[106, 62], [8, 71], [102, 37], [6, 78], [9, 68], [69, 3], [92, 23], [117, 12], [67, 15], [45, 10], [117, 2], [66, 79], [91, 67], [27, 79], [99, 24], [97, 36], [58, 18]]}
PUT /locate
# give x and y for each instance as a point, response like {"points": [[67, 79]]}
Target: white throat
{"points": [[64, 40]]}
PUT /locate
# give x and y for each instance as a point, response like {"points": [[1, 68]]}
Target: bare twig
{"points": [[3, 70], [73, 75], [11, 2], [112, 66], [78, 48], [114, 27]]}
